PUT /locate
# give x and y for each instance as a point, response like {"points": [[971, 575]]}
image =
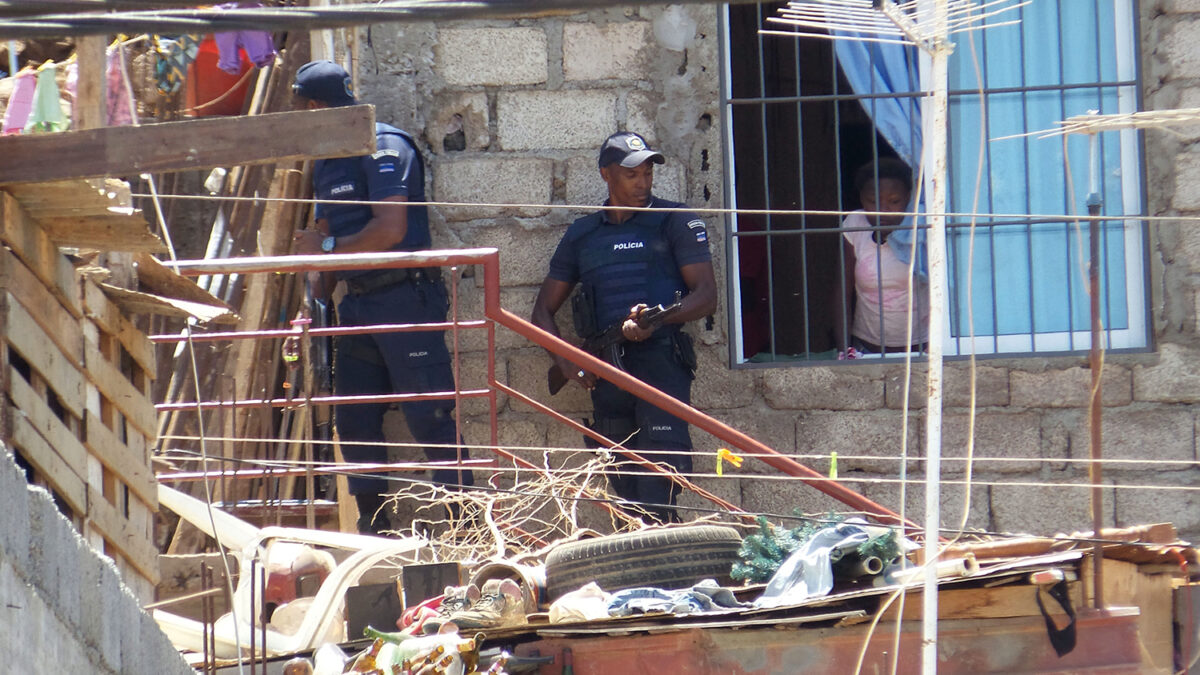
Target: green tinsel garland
{"points": [[763, 552]]}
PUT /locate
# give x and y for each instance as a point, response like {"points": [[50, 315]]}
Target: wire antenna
{"points": [[910, 23]]}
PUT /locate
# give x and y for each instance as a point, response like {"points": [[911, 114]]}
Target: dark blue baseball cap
{"points": [[629, 150], [324, 81]]}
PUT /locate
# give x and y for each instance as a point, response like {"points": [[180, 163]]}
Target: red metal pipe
{"points": [[319, 400], [695, 417], [191, 476], [329, 331]]}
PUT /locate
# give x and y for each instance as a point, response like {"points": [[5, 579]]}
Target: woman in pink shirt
{"points": [[876, 285]]}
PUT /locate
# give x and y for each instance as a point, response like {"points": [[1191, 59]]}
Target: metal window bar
{"points": [[766, 189], [1028, 205], [800, 191]]}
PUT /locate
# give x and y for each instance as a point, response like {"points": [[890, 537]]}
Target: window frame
{"points": [[1136, 238]]}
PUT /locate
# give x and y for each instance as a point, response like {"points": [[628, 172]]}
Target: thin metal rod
{"points": [[936, 159], [1096, 363]]}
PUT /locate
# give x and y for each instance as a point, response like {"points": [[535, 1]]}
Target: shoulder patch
{"points": [[696, 223], [385, 153]]}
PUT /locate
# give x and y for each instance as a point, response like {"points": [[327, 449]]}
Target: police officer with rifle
{"points": [[648, 272]]}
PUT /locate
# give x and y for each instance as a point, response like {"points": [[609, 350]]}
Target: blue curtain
{"points": [[1030, 278]]}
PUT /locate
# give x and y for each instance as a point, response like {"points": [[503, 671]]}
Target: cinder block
{"points": [[1187, 172], [783, 496], [524, 252], [867, 441], [491, 56], [1044, 510], [641, 115], [1166, 433], [1002, 441], [991, 386], [1174, 379], [695, 506], [14, 514], [611, 51], [540, 120], [99, 628], [885, 490], [1069, 388], [493, 181], [53, 545], [823, 388], [1181, 6], [1167, 500], [1178, 46], [776, 430], [718, 386], [459, 113]]}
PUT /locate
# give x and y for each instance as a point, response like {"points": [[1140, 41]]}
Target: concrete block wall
{"points": [[62, 605], [513, 112]]}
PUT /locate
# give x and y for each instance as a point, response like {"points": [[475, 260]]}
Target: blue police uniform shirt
{"points": [[636, 261], [395, 168]]}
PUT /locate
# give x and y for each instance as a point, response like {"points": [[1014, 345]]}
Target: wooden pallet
{"points": [[75, 375]]}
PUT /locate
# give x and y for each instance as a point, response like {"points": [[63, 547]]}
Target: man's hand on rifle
{"points": [[631, 329]]}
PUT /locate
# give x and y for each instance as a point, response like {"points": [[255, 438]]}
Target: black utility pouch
{"points": [[583, 311], [685, 351]]}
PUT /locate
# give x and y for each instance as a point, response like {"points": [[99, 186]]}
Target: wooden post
{"points": [[90, 102]]}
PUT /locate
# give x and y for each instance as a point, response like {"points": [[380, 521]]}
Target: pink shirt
{"points": [[881, 289]]}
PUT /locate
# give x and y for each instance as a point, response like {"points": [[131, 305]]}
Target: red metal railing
{"points": [[489, 260]]}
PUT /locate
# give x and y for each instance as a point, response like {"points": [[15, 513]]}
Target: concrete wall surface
{"points": [[63, 607], [514, 112]]}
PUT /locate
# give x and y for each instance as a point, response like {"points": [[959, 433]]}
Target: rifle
{"points": [[611, 339]]}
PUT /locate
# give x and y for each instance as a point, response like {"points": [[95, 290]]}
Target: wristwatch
{"points": [[328, 243]]}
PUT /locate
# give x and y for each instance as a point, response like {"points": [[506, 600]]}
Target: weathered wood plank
{"points": [[124, 535], [43, 420], [61, 372], [110, 232], [44, 307], [984, 603], [135, 302], [109, 319], [111, 382], [35, 248], [122, 460], [191, 144], [47, 462], [155, 277]]}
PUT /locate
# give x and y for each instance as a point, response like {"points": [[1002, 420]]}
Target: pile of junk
{"points": [[313, 601]]}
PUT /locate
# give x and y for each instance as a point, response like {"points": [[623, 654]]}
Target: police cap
{"points": [[628, 149], [324, 81]]}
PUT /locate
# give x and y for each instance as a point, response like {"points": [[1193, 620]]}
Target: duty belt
{"points": [[369, 283]]}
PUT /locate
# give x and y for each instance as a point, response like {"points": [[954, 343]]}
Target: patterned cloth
{"points": [[174, 55]]}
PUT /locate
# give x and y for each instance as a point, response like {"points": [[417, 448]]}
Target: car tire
{"points": [[670, 558]]}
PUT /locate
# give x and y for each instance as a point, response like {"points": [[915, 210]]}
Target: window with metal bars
{"points": [[804, 113]]}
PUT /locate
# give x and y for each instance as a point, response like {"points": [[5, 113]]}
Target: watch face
{"points": [[328, 243]]}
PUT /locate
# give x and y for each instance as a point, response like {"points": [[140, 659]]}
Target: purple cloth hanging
{"points": [[20, 104]]}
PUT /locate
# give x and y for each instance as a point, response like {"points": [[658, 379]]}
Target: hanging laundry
{"points": [[47, 114], [174, 55], [20, 103], [259, 45], [117, 90]]}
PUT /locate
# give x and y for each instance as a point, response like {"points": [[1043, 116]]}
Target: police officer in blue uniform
{"points": [[389, 362], [624, 261]]}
